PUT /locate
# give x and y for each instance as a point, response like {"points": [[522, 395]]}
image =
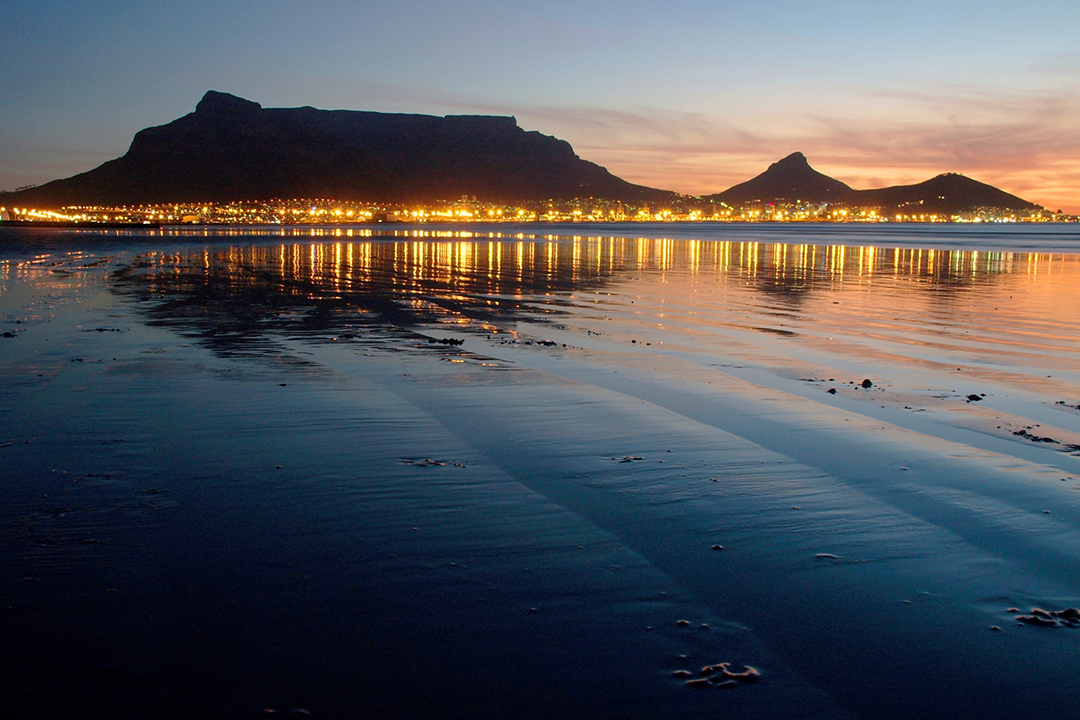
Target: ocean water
{"points": [[541, 471]]}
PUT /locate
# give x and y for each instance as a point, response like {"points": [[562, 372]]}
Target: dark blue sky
{"points": [[692, 97]]}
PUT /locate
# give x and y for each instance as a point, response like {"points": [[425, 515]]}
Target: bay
{"points": [[536, 471]]}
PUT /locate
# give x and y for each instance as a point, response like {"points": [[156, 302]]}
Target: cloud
{"points": [[1026, 142], [971, 126]]}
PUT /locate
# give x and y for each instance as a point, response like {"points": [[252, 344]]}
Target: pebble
{"points": [[1068, 617], [723, 670], [1035, 620]]}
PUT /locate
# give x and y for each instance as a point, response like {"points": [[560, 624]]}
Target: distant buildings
{"points": [[309, 211]]}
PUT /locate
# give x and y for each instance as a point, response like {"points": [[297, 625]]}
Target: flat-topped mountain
{"points": [[233, 149], [793, 180]]}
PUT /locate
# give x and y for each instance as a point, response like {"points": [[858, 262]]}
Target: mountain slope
{"points": [[944, 194], [234, 149], [790, 179]]}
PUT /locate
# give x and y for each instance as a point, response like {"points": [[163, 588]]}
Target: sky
{"points": [[693, 96]]}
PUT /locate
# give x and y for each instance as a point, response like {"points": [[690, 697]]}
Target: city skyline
{"points": [[694, 98]]}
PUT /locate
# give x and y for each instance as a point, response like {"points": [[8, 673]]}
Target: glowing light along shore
{"points": [[307, 211]]}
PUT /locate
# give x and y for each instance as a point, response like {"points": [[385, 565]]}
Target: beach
{"points": [[634, 472]]}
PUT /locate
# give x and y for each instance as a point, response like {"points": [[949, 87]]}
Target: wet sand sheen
{"points": [[370, 518], [768, 575]]}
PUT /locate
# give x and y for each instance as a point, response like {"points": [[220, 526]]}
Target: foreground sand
{"points": [[239, 479]]}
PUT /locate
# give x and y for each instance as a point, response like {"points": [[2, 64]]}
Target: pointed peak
{"points": [[219, 103], [790, 178], [796, 161]]}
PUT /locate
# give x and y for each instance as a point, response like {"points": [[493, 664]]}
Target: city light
{"points": [[308, 211]]}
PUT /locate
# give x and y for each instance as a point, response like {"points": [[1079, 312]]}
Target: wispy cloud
{"points": [[1026, 142]]}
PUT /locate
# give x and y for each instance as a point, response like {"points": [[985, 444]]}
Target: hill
{"points": [[945, 194], [233, 149], [792, 180]]}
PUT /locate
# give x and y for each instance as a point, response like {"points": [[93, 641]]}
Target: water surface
{"points": [[540, 471]]}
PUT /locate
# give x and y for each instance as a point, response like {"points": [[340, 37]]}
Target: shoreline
{"points": [[254, 476]]}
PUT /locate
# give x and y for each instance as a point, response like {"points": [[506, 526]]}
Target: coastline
{"points": [[468, 526]]}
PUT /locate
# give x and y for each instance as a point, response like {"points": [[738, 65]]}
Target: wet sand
{"points": [[437, 476]]}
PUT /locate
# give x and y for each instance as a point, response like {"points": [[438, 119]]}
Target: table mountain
{"points": [[233, 149]]}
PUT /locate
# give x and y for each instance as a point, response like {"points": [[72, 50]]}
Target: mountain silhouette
{"points": [[945, 194], [791, 180], [233, 149]]}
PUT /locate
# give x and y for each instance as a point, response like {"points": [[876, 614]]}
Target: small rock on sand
{"points": [[1068, 617], [720, 676]]}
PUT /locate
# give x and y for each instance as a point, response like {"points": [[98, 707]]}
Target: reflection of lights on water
{"points": [[513, 262]]}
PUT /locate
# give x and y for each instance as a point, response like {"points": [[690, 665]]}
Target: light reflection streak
{"points": [[516, 265], [505, 265]]}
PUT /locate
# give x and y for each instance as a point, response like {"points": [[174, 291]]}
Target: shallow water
{"points": [[486, 473]]}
